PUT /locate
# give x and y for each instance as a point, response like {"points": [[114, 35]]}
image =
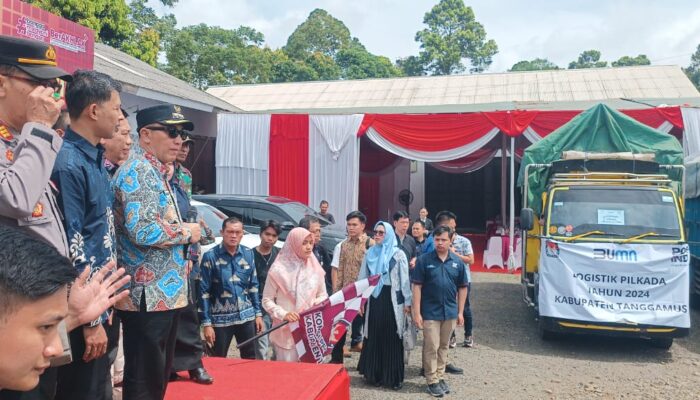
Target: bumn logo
{"points": [[615, 255]]}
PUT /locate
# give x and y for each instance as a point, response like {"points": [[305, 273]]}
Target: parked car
{"points": [[253, 210], [215, 219]]}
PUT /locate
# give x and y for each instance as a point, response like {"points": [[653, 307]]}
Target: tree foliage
{"points": [[453, 35], [588, 59], [324, 44], [319, 33], [208, 55], [538, 64], [628, 61], [693, 70], [108, 18]]}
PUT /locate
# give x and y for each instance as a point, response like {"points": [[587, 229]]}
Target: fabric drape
{"points": [[334, 161], [242, 148], [431, 156], [465, 165], [428, 133], [691, 136], [289, 157]]}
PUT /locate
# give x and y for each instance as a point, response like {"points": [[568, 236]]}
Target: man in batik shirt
{"points": [[152, 236]]}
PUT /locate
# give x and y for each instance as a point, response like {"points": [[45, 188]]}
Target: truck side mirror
{"points": [[527, 219]]}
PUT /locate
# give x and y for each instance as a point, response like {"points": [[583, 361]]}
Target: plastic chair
{"points": [[493, 256]]}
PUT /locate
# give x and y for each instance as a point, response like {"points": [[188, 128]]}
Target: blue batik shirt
{"points": [[85, 197], [151, 235], [228, 291]]}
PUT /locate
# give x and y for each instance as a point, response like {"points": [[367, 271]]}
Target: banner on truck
{"points": [[610, 282]]}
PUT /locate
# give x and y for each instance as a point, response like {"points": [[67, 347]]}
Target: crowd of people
{"points": [[77, 198]]}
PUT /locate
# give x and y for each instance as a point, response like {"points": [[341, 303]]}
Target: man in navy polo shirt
{"points": [[439, 292]]}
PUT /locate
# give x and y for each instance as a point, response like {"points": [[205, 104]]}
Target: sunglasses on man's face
{"points": [[49, 83], [171, 130]]}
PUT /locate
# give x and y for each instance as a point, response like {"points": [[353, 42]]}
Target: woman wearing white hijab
{"points": [[382, 358], [295, 283]]}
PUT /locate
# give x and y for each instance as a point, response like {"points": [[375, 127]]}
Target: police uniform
{"points": [[27, 155]]}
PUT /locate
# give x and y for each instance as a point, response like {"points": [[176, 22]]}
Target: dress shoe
{"points": [[451, 369], [200, 375], [174, 377]]}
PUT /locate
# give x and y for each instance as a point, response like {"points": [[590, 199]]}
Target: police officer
{"points": [[30, 104]]}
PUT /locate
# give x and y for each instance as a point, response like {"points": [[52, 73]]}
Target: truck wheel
{"points": [[661, 343], [544, 333]]}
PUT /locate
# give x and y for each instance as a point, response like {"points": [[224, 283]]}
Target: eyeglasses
{"points": [[49, 83], [172, 131], [379, 233]]}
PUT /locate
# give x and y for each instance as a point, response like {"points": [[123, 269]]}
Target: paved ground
{"points": [[511, 362]]}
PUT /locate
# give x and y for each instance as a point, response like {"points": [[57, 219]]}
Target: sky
{"points": [[668, 32]]}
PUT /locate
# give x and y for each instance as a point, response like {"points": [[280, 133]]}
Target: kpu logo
{"points": [[551, 249]]}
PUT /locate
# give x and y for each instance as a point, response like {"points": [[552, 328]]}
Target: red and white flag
{"points": [[320, 327]]}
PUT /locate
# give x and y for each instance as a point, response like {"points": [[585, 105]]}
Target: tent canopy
{"points": [[599, 129]]}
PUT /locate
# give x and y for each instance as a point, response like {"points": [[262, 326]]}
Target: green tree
{"points": [[411, 66], [693, 70], [588, 59], [285, 69], [628, 61], [453, 35], [108, 18], [324, 44], [357, 63], [208, 55], [538, 64], [321, 33]]}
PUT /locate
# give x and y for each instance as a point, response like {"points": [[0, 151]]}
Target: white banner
{"points": [[621, 283]]}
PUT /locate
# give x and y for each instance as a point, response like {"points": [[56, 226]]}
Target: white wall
{"points": [[418, 189], [390, 184]]}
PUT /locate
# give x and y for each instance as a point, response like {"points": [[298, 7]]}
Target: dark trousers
{"points": [[468, 313], [188, 343], [46, 390], [242, 332], [355, 338], [149, 345], [80, 380], [356, 335]]}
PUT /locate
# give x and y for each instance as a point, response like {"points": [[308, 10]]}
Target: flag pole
{"points": [[261, 334]]}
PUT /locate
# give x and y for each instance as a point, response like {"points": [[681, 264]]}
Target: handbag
{"points": [[410, 333]]}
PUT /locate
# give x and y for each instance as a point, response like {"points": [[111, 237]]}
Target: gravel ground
{"points": [[510, 361]]}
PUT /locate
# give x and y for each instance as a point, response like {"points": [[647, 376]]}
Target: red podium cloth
{"points": [[261, 380]]}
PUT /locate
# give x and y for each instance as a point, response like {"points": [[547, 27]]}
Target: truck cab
{"points": [[608, 253]]}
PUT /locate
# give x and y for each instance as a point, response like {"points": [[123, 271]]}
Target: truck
{"points": [[692, 224], [605, 249]]}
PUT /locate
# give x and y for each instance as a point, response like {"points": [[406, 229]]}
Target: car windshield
{"points": [[212, 217], [618, 213], [298, 211]]}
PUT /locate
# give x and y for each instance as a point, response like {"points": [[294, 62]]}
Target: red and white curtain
{"points": [[310, 158]]}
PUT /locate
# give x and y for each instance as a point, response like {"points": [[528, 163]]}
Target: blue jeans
{"points": [[262, 344]]}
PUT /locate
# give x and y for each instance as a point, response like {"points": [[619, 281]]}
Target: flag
{"points": [[320, 327]]}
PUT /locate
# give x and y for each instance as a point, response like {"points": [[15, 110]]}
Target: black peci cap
{"points": [[166, 114], [36, 58]]}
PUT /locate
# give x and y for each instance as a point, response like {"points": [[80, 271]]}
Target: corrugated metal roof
{"points": [[138, 74], [558, 89]]}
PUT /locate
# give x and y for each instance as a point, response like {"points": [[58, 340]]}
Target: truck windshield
{"points": [[619, 212]]}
